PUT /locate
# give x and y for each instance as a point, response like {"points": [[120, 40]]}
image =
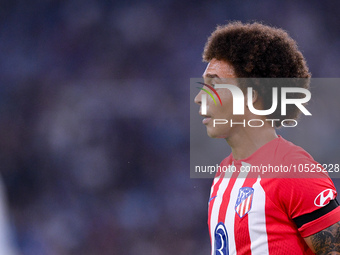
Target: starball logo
{"points": [[239, 99]]}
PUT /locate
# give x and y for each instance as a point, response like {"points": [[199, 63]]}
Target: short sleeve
{"points": [[307, 197]]}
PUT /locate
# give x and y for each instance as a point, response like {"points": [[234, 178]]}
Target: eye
{"points": [[216, 80], [207, 84]]}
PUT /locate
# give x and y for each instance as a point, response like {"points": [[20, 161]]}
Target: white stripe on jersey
{"points": [[230, 214], [257, 221], [214, 182], [216, 207]]}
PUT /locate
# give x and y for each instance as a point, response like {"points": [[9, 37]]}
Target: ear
{"points": [[255, 96]]}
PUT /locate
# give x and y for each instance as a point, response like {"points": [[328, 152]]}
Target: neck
{"points": [[248, 140]]}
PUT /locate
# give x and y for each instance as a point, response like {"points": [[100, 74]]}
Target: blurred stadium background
{"points": [[94, 148]]}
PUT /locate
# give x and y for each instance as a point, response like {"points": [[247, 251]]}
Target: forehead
{"points": [[219, 68]]}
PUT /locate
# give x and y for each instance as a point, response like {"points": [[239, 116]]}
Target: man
{"points": [[250, 213]]}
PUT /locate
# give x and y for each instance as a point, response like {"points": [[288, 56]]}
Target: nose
{"points": [[198, 97]]}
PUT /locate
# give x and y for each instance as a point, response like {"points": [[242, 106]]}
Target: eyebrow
{"points": [[208, 75]]}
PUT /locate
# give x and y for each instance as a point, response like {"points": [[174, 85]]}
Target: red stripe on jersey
{"points": [[226, 197], [211, 203], [242, 241]]}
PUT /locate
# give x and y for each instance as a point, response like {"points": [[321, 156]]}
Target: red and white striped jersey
{"points": [[252, 214]]}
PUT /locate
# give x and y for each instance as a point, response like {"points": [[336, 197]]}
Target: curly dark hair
{"points": [[259, 51]]}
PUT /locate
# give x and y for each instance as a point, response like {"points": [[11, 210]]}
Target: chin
{"points": [[215, 134]]}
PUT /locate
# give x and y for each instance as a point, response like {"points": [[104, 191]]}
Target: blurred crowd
{"points": [[94, 123]]}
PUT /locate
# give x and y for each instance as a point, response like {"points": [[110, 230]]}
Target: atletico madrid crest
{"points": [[244, 201]]}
